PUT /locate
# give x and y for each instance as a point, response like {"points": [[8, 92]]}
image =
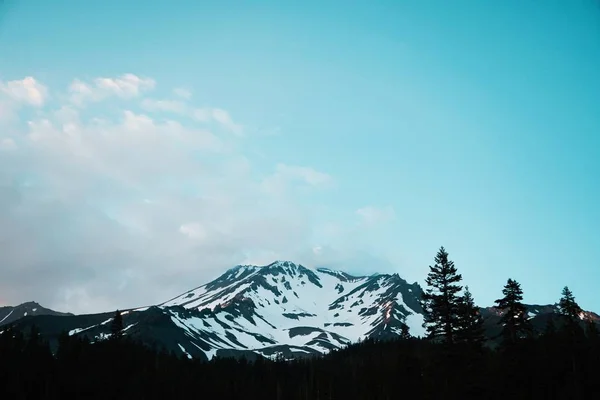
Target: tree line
{"points": [[451, 315], [455, 360]]}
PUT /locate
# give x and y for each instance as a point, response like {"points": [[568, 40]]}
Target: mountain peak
{"points": [[287, 304], [283, 263]]}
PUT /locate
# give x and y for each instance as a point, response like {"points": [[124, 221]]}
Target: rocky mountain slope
{"points": [[282, 309]]}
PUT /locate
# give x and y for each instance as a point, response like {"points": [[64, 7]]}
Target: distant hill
{"points": [[9, 314]]}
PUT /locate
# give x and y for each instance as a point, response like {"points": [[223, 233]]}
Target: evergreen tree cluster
{"points": [[451, 315], [451, 363]]}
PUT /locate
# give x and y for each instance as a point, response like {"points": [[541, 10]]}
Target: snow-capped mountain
{"points": [[279, 309], [282, 309], [305, 310]]}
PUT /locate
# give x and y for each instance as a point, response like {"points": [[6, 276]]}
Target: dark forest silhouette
{"points": [[452, 362]]}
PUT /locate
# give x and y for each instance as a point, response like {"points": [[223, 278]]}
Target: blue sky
{"points": [[380, 130]]}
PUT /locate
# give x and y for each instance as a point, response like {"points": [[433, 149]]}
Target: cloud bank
{"points": [[104, 207]]}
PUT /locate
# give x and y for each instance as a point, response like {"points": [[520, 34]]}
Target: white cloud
{"points": [[126, 86], [193, 230], [220, 116], [9, 116], [173, 106], [284, 175], [223, 117], [183, 93], [6, 112], [306, 174], [126, 209], [81, 91], [371, 215], [132, 148], [66, 115], [7, 144], [27, 90]]}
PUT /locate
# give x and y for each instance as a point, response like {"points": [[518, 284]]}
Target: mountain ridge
{"points": [[280, 309]]}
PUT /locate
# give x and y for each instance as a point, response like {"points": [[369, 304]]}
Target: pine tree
{"points": [[441, 300], [570, 311], [116, 328], [470, 321], [514, 321]]}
